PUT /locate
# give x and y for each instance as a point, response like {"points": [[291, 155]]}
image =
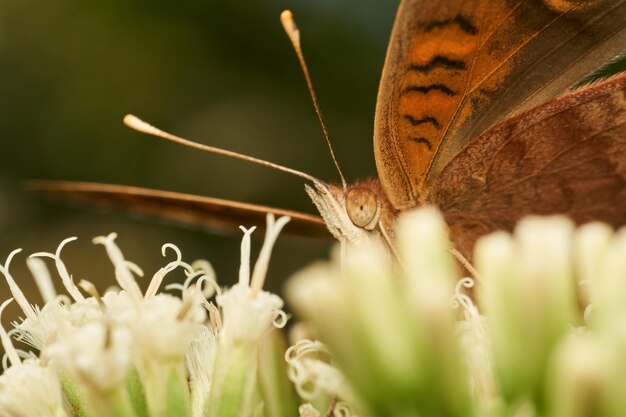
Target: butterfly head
{"points": [[355, 214]]}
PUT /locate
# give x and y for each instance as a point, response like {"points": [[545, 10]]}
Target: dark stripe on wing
{"points": [[427, 119], [439, 61], [424, 141], [464, 23], [425, 89]]}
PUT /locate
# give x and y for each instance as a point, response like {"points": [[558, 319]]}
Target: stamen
{"points": [[66, 278], [281, 319], [91, 289], [262, 263], [157, 279], [342, 410], [15, 289], [208, 281], [6, 341], [123, 274], [42, 278], [244, 266], [461, 299], [188, 302], [215, 318]]}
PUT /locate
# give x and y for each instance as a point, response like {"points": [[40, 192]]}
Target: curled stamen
{"points": [[304, 347], [188, 281], [310, 369], [63, 300], [462, 299], [66, 278], [342, 410], [281, 319], [6, 340], [10, 258], [206, 283], [307, 410], [17, 293], [157, 279], [204, 265], [22, 354]]}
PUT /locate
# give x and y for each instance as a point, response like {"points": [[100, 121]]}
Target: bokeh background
{"points": [[218, 72]]}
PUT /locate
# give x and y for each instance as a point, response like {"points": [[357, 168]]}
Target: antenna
{"points": [[139, 125], [286, 18]]}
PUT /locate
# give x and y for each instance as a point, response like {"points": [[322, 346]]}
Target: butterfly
{"points": [[476, 115]]}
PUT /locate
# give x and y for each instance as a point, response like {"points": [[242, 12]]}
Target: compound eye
{"points": [[362, 206]]}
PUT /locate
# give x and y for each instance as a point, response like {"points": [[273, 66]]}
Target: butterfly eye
{"points": [[362, 207]]}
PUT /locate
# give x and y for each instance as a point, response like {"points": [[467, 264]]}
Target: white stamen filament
{"points": [[17, 293], [66, 278], [42, 278], [281, 319], [461, 299], [124, 276], [91, 289], [244, 267], [157, 279], [6, 340], [262, 263]]}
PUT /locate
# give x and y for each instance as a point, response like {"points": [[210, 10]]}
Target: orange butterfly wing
{"points": [[456, 67]]}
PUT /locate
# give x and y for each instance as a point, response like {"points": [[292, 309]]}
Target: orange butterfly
{"points": [[475, 115]]}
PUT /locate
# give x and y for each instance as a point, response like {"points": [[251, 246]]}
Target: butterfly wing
{"points": [[567, 156], [206, 212], [456, 67]]}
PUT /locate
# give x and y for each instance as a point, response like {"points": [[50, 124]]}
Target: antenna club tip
{"points": [[139, 125], [286, 18], [131, 120]]}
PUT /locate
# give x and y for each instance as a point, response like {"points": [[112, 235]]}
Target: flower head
{"points": [[133, 353]]}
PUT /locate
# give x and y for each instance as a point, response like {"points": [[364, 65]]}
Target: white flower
{"points": [[96, 353], [130, 353], [30, 390], [27, 389], [390, 328], [248, 313]]}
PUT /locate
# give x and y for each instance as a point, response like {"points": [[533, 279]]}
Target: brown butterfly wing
{"points": [[456, 67], [567, 156], [206, 212]]}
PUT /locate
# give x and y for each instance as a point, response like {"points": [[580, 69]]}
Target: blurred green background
{"points": [[218, 72]]}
